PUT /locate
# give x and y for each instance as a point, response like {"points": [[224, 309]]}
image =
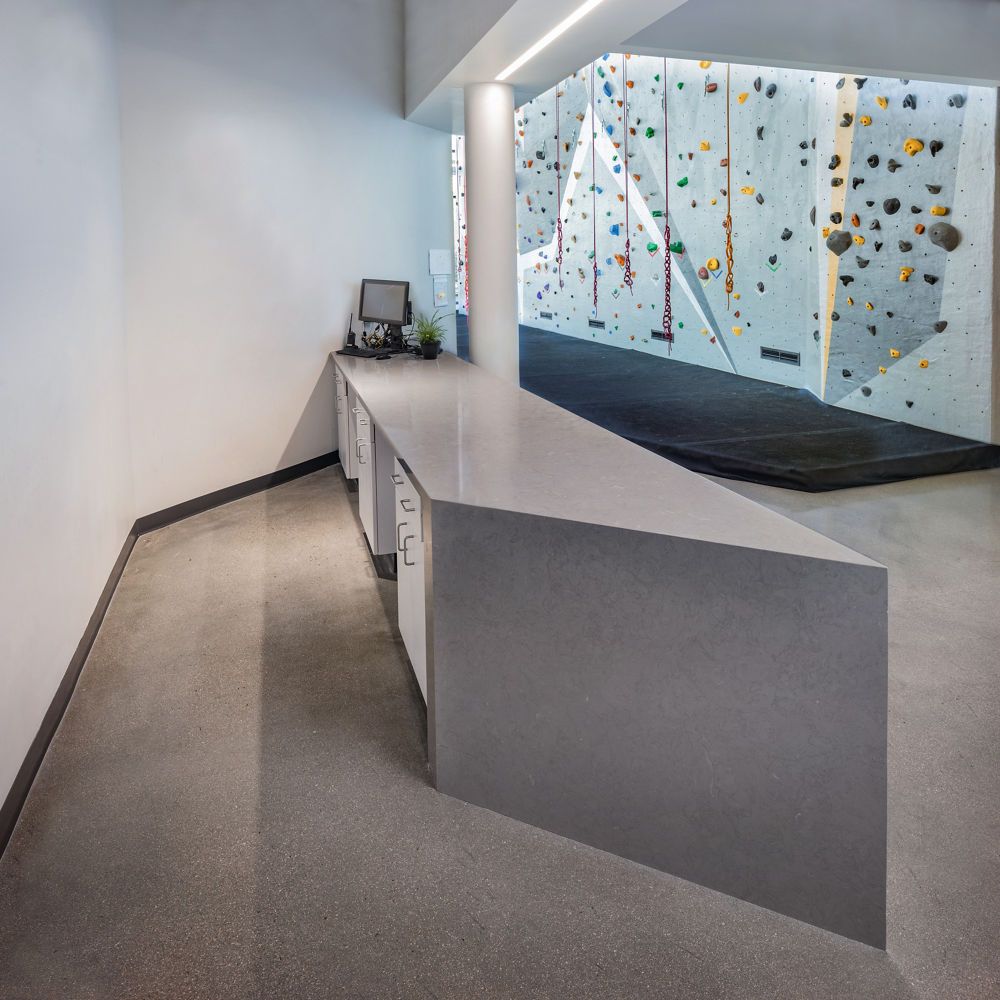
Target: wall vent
{"points": [[596, 324], [785, 357], [545, 315], [660, 335]]}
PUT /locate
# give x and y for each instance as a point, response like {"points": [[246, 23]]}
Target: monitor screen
{"points": [[384, 301]]}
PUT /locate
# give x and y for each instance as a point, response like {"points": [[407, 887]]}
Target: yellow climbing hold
{"points": [[742, 97], [882, 102], [924, 363], [938, 210], [705, 332], [736, 295], [703, 146], [904, 273], [893, 353], [912, 146], [737, 330], [860, 240], [850, 301], [869, 306], [826, 231], [713, 264], [712, 202], [705, 63], [746, 190], [881, 370], [865, 120]]}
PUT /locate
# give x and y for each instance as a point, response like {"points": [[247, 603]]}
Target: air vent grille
{"points": [[596, 324], [785, 357]]}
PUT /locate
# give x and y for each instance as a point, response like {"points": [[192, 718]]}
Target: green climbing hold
{"points": [[680, 86], [653, 247], [650, 132], [590, 256], [680, 326], [677, 247], [657, 213], [657, 78], [607, 213], [600, 72], [682, 182]]}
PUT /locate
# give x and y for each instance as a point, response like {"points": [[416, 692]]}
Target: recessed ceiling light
{"points": [[582, 11]]}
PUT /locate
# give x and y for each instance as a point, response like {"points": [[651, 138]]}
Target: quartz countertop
{"points": [[473, 438]]}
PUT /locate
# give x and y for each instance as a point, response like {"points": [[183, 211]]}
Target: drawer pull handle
{"points": [[406, 562], [404, 502], [398, 480], [399, 544]]}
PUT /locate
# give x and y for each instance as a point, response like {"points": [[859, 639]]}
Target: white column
{"points": [[492, 228]]}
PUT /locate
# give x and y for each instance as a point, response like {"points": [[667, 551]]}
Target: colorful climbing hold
{"points": [[882, 102], [924, 362], [938, 210], [904, 273], [912, 146]]}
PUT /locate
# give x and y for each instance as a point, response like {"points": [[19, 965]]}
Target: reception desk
{"points": [[626, 653]]}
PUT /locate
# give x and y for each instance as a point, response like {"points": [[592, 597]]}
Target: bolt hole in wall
{"points": [[858, 208]]}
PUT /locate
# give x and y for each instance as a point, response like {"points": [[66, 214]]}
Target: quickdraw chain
{"points": [[628, 241], [667, 311], [593, 170], [559, 223], [728, 224]]}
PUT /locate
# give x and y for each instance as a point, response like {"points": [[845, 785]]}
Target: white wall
{"points": [[266, 170], [65, 489]]}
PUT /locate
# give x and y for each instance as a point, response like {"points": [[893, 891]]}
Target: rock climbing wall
{"points": [[792, 158]]}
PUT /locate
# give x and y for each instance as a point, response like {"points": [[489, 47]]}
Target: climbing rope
{"points": [[728, 224], [593, 170], [667, 312], [628, 241], [559, 223]]}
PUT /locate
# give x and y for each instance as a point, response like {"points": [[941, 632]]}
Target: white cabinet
{"points": [[374, 458], [345, 425], [410, 573]]}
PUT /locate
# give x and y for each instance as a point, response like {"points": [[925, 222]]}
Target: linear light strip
{"points": [[582, 11]]}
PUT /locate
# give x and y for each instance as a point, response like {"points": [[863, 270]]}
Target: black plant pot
{"points": [[430, 350]]}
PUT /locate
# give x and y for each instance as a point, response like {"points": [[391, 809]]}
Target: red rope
{"points": [[559, 224], [628, 241], [593, 170], [466, 235], [667, 312]]}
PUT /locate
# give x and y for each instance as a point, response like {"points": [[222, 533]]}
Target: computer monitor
{"points": [[384, 302]]}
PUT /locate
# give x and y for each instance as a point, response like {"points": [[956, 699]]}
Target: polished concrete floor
{"points": [[237, 802]]}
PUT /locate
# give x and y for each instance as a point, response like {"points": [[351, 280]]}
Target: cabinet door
{"points": [[410, 574], [345, 434], [364, 453]]}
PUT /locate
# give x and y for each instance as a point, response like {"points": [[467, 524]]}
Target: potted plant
{"points": [[429, 331]]}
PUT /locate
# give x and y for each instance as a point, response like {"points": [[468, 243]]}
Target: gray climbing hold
{"points": [[804, 163], [875, 224], [909, 402], [866, 390], [910, 102], [933, 188], [856, 181], [786, 234], [847, 121], [845, 372], [812, 215], [840, 83], [940, 325], [931, 279], [836, 181], [773, 259], [945, 235], [772, 89], [835, 316], [756, 85], [893, 166], [878, 246], [873, 160], [760, 131], [860, 81], [890, 206], [839, 242], [760, 286], [936, 146], [846, 279], [760, 198], [872, 330], [905, 247], [956, 101], [869, 203], [834, 162], [862, 261], [915, 210], [804, 144], [836, 218], [816, 336]]}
